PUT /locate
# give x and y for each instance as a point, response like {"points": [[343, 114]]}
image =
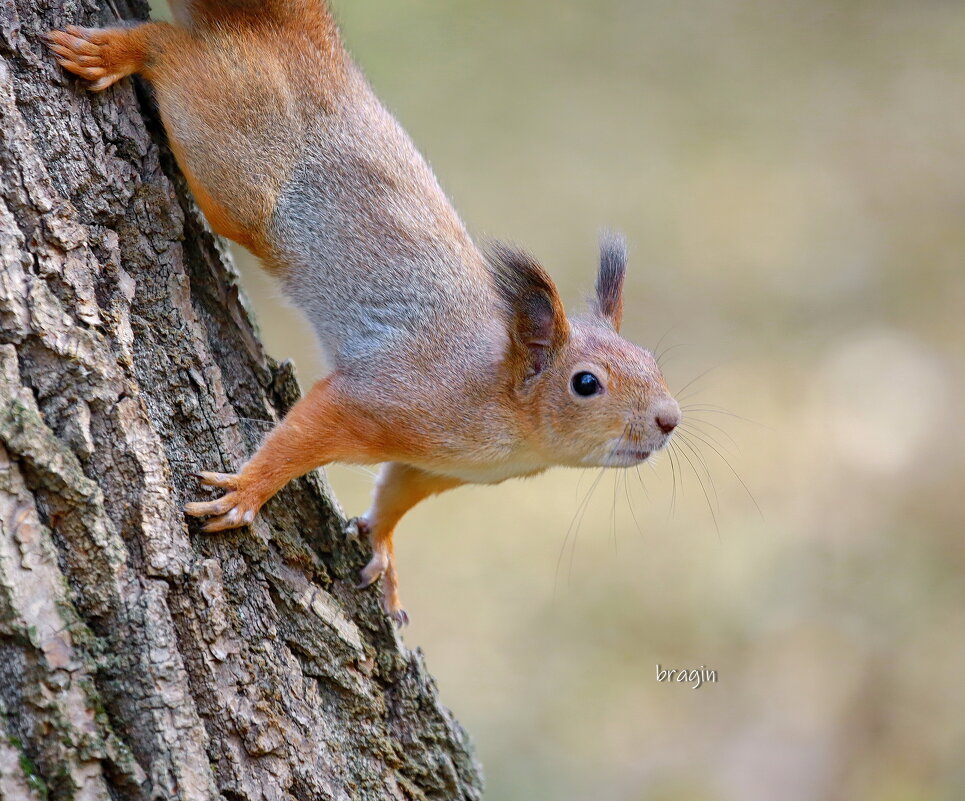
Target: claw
{"points": [[93, 37], [356, 527], [223, 480], [400, 617]]}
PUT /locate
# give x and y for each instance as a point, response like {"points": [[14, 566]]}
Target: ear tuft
{"points": [[538, 327], [609, 280]]}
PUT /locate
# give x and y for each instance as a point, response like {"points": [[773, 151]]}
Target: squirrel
{"points": [[450, 365]]}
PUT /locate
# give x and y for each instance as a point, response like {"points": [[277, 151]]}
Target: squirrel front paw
{"points": [[237, 508], [101, 56]]}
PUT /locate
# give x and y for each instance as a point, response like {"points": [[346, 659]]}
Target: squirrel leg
{"points": [[399, 488], [322, 427], [105, 55]]}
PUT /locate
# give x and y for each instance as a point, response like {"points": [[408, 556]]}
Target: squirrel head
{"points": [[587, 396]]}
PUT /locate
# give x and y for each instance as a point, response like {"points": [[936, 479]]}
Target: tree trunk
{"points": [[138, 657]]}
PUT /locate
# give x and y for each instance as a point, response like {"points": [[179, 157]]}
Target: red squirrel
{"points": [[450, 366]]}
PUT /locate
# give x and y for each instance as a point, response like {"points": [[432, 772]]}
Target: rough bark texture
{"points": [[139, 658]]}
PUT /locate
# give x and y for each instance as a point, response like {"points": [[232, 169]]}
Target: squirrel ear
{"points": [[537, 321], [609, 280]]}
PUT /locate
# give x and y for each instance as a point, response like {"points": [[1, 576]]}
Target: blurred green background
{"points": [[791, 178]]}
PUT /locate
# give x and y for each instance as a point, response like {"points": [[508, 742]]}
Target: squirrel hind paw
{"points": [[391, 606], [400, 617], [373, 571], [356, 528], [92, 54]]}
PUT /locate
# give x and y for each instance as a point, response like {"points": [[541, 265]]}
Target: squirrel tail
{"points": [[191, 13]]}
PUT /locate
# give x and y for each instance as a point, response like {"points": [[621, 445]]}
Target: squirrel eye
{"points": [[585, 384]]}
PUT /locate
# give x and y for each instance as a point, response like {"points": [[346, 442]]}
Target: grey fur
{"points": [[609, 280], [376, 256]]}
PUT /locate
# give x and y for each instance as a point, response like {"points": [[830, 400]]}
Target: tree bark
{"points": [[138, 657]]}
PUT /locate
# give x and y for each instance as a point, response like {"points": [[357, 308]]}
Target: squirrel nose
{"points": [[668, 417]]}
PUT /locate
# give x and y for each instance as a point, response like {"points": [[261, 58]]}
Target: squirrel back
{"points": [[209, 13], [291, 154]]}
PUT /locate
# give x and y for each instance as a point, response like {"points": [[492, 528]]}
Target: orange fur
{"points": [[400, 488], [193, 71], [310, 15], [219, 218], [324, 426]]}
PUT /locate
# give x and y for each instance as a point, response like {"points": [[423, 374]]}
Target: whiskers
{"points": [[684, 448], [695, 433], [702, 445], [696, 437], [575, 524]]}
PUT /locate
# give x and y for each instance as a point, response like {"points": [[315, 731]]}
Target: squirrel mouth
{"points": [[631, 455]]}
